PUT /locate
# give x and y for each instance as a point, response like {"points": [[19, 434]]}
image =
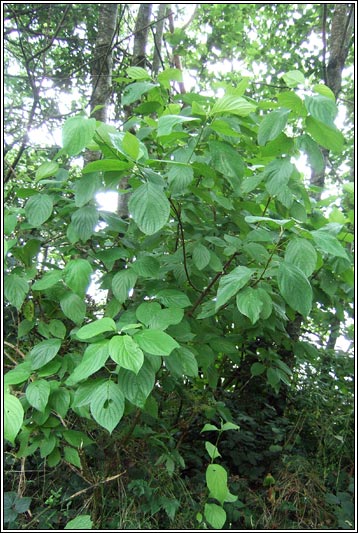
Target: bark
{"points": [[158, 38], [338, 44], [102, 65], [141, 35], [138, 60], [102, 68]]}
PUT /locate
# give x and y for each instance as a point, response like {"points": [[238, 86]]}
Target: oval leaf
{"points": [[149, 208], [107, 405], [44, 352], [156, 342], [38, 209], [295, 288], [126, 352], [13, 417], [96, 328]]}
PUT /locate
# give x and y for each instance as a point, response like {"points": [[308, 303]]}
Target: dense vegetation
{"points": [[185, 360]]}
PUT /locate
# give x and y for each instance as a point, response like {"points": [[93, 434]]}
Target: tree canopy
{"points": [[184, 359]]}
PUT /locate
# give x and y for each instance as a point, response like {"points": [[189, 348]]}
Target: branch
{"points": [[183, 243], [213, 281]]}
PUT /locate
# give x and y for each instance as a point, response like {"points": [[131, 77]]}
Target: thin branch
{"points": [[15, 348], [213, 281], [181, 229], [57, 31]]}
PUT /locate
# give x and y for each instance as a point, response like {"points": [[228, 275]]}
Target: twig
{"points": [[181, 229], [15, 348], [213, 281], [94, 485]]}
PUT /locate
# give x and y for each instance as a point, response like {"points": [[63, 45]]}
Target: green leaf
{"points": [[13, 417], [166, 123], [146, 266], [44, 352], [267, 303], [107, 405], [134, 91], [137, 73], [182, 362], [77, 132], [82, 521], [215, 515], [324, 91], [149, 208], [235, 105], [249, 303], [130, 145], [49, 279], [227, 426], [15, 289], [107, 165], [165, 317], [301, 253], [295, 288], [322, 109], [78, 439], [277, 222], [84, 221], [272, 376], [225, 159], [212, 450], [122, 283], [173, 298], [231, 283], [216, 480], [169, 74], [77, 275], [209, 427], [71, 456], [96, 328], [314, 153], [257, 369], [292, 78], [155, 342], [19, 374], [73, 307], [94, 358], [272, 125], [136, 388], [126, 352], [38, 209], [328, 137], [278, 174], [201, 256], [37, 394], [48, 445], [328, 243], [179, 177], [85, 189], [57, 328], [46, 170], [146, 311], [60, 400]]}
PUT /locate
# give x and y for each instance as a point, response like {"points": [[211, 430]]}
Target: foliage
{"points": [[228, 268]]}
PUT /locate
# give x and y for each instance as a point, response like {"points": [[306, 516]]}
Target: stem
{"points": [[213, 281]]}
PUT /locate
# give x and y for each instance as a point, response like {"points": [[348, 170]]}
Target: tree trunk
{"points": [[141, 35], [102, 64], [158, 38], [138, 60], [338, 44]]}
